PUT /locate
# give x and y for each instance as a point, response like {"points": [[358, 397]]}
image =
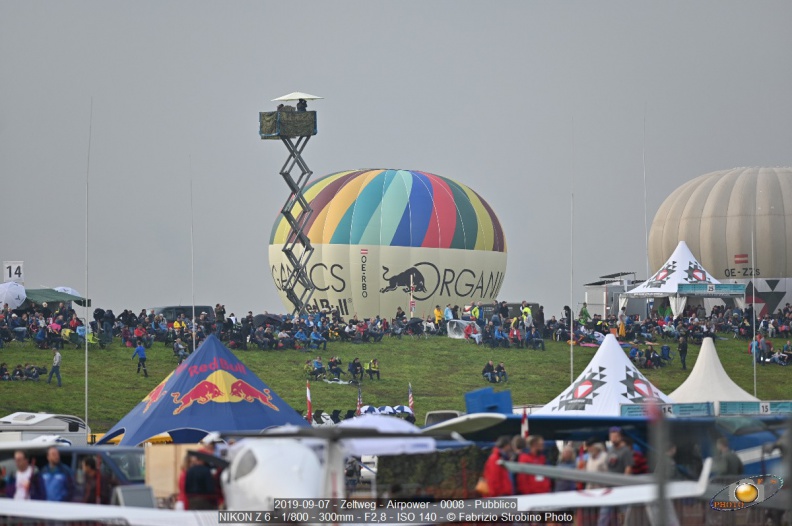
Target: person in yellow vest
{"points": [[438, 314], [373, 368], [623, 322]]}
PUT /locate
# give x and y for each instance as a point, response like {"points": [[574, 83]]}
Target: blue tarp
{"points": [[210, 391]]}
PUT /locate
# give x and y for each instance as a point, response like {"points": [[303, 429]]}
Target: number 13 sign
{"points": [[13, 271]]}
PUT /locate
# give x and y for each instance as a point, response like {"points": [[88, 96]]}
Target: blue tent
{"points": [[210, 391]]}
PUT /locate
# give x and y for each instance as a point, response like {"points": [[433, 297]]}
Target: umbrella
{"points": [[296, 95], [402, 409], [385, 446], [386, 410], [12, 293], [68, 290], [369, 410]]}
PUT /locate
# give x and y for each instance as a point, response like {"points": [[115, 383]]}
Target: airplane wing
{"points": [[637, 494], [67, 511], [467, 423]]}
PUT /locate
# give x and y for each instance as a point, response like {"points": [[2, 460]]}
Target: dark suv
{"points": [[171, 313]]}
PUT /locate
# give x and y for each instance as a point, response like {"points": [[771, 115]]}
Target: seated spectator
{"points": [[375, 333], [334, 366], [285, 340], [18, 374], [489, 372], [300, 338], [319, 369], [779, 358], [318, 340], [310, 370], [355, 368], [472, 332], [637, 356], [18, 327], [398, 328], [500, 373], [31, 372], [41, 337], [500, 338], [373, 368], [142, 334], [516, 337], [5, 376], [534, 337]]}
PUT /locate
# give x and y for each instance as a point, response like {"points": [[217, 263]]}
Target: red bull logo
{"points": [[156, 393], [221, 387], [202, 393], [248, 393]]}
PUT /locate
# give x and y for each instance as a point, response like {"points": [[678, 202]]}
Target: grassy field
{"points": [[441, 370]]}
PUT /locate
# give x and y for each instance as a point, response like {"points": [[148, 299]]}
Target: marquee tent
{"points": [[609, 380], [210, 391], [709, 382], [680, 278]]}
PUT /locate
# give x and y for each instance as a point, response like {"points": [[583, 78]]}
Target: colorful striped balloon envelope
{"points": [[381, 234]]}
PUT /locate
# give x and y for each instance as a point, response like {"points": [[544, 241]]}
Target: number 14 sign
{"points": [[13, 271]]}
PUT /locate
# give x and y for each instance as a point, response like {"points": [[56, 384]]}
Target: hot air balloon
{"points": [[381, 234], [738, 222]]}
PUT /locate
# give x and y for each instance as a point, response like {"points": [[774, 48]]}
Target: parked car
{"points": [[173, 312]]}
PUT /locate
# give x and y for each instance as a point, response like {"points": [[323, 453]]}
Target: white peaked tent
{"points": [[682, 276], [609, 380], [708, 381]]}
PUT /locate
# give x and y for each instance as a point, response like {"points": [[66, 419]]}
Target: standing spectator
{"points": [[108, 320], [584, 317], [530, 484], [499, 481], [199, 485], [56, 361], [140, 352], [567, 460], [179, 350], [619, 460], [622, 323], [302, 105], [595, 462], [539, 320], [726, 462], [682, 349], [58, 478], [219, 318], [90, 493], [26, 484]]}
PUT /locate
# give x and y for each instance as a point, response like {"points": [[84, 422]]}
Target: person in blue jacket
{"points": [[140, 352], [58, 478]]}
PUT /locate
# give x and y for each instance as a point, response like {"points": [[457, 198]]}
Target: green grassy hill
{"points": [[441, 370]]}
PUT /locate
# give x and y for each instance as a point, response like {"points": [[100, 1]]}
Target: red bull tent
{"points": [[210, 391]]}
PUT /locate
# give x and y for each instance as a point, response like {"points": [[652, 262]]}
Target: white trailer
{"points": [[27, 426]]}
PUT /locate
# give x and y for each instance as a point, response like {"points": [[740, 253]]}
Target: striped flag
{"points": [[363, 251], [410, 399], [309, 413], [524, 423], [741, 259], [360, 401]]}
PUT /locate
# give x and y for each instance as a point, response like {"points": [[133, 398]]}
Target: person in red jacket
{"points": [[528, 484], [498, 479]]}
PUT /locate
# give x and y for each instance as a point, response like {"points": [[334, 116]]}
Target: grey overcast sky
{"points": [[517, 99]]}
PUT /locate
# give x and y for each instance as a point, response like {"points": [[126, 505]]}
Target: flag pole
{"points": [[87, 323]]}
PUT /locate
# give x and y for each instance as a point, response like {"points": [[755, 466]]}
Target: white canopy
{"points": [[681, 268], [296, 95], [709, 382], [609, 380]]}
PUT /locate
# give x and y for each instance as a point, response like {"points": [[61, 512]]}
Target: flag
{"points": [[524, 423], [741, 259], [360, 401], [363, 251], [309, 413], [410, 399]]}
